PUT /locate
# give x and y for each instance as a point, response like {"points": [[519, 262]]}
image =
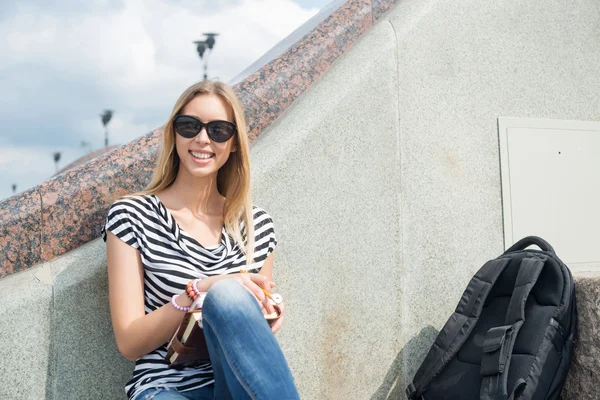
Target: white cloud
{"points": [[147, 45], [138, 56], [30, 166]]}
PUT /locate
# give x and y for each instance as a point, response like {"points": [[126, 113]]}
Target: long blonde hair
{"points": [[233, 178]]}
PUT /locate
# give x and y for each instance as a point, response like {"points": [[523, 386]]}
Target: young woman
{"points": [[195, 223]]}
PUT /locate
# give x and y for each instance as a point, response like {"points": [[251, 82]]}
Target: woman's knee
{"points": [[160, 394], [228, 296]]}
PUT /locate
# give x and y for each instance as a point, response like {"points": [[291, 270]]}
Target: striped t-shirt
{"points": [[171, 258]]}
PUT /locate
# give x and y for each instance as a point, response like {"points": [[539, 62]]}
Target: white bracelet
{"points": [[177, 306]]}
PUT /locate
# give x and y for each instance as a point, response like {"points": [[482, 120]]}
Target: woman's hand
{"points": [[255, 283], [277, 325]]}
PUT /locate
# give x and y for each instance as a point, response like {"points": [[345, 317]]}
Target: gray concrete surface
{"points": [[327, 172], [57, 340], [461, 66], [384, 183], [87, 363], [25, 337]]}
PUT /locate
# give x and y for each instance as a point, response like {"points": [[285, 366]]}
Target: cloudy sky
{"points": [[62, 65]]}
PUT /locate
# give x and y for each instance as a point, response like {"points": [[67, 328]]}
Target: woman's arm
{"points": [[267, 267], [137, 333], [267, 270]]}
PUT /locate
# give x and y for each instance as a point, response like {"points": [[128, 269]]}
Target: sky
{"points": [[63, 64]]}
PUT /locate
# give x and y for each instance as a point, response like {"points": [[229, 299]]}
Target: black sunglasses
{"points": [[189, 127]]}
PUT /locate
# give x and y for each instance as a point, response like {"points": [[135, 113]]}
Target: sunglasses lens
{"points": [[220, 131], [187, 127]]}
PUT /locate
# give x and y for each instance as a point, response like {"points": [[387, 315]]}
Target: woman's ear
{"points": [[234, 146]]}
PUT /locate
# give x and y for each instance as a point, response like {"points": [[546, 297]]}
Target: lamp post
{"points": [[57, 159], [106, 116], [202, 46]]}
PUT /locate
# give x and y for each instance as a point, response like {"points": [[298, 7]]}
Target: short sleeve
{"points": [[123, 223], [264, 232]]}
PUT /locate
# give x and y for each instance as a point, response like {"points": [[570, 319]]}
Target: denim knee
{"points": [[229, 297]]}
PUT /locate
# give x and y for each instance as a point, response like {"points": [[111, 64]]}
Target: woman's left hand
{"points": [[277, 325]]}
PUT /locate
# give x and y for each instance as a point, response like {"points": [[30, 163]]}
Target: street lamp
{"points": [[201, 48], [210, 39], [106, 116], [207, 44], [56, 159]]}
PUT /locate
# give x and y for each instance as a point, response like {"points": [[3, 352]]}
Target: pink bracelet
{"points": [[177, 306], [196, 287]]}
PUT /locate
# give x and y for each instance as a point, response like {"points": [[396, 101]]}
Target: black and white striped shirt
{"points": [[171, 258]]}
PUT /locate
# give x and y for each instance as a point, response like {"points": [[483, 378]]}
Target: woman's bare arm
{"points": [[136, 333], [267, 270], [267, 267]]}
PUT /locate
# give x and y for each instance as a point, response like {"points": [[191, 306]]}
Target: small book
{"points": [[187, 347]]}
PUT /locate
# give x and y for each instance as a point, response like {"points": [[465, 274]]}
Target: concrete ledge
{"points": [[61, 345], [56, 334], [86, 361], [26, 334]]}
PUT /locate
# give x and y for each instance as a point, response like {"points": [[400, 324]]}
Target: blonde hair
{"points": [[233, 178]]}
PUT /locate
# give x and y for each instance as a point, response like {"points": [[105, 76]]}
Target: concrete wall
{"points": [[462, 65], [328, 172], [57, 340], [419, 206], [384, 183], [26, 337]]}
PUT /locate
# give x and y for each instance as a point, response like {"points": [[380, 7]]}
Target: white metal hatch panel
{"points": [[551, 186]]}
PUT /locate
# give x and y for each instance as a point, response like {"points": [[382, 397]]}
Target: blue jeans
{"points": [[205, 392], [246, 358]]}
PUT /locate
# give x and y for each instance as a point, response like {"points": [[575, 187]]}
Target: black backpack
{"points": [[511, 336]]}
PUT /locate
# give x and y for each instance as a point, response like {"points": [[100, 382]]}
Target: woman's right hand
{"points": [[255, 283]]}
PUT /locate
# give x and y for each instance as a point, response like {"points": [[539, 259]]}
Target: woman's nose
{"points": [[202, 136]]}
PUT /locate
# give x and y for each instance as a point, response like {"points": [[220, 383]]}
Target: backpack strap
{"points": [[500, 341], [458, 328]]}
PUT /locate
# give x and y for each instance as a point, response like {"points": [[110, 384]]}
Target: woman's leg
{"points": [[242, 348], [204, 393]]}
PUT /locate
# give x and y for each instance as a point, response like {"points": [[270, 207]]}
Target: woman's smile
{"points": [[202, 157]]}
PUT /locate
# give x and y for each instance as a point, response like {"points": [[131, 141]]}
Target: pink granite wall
{"points": [[583, 382]]}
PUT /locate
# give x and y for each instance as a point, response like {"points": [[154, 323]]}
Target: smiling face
{"points": [[201, 157]]}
